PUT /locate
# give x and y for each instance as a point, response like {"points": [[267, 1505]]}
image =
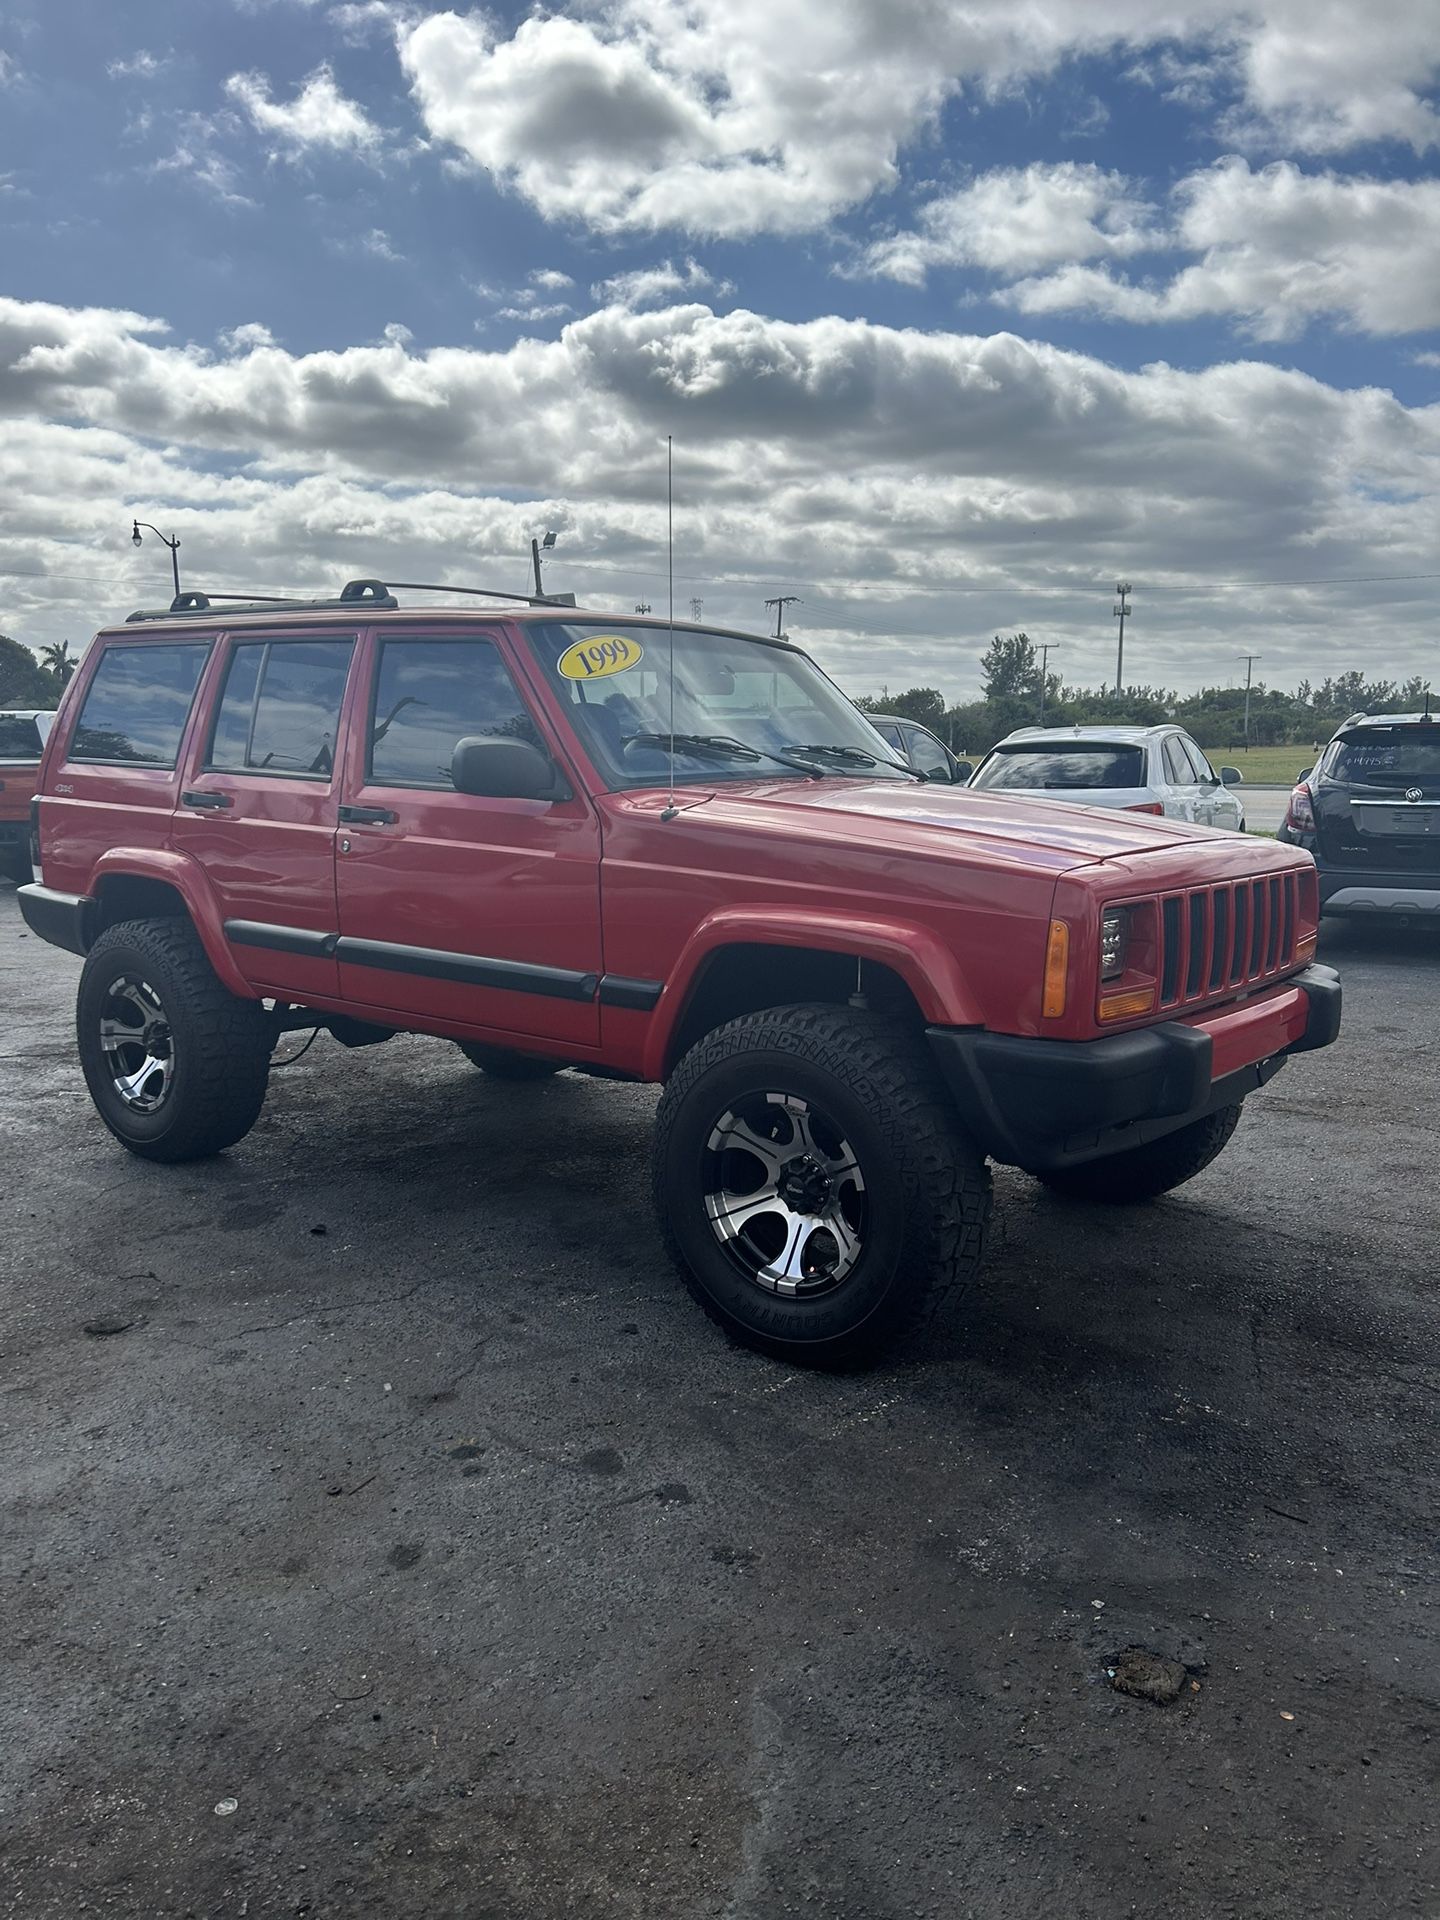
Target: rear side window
{"points": [[431, 693], [280, 711], [1177, 765], [19, 738], [138, 702], [1056, 769]]}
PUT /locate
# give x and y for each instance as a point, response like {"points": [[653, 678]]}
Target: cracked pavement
{"points": [[456, 1548]]}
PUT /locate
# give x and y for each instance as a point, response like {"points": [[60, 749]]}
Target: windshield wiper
{"points": [[853, 756], [718, 746]]}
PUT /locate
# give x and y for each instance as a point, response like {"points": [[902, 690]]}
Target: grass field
{"points": [[1263, 766]]}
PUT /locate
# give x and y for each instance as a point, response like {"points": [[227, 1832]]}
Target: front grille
{"points": [[1222, 939]]}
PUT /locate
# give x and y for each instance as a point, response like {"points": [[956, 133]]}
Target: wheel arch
{"points": [[738, 963], [153, 883]]}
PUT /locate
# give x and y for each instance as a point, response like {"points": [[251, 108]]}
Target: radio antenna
{"points": [[671, 809]]}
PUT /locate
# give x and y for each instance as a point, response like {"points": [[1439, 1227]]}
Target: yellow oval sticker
{"points": [[602, 654]]}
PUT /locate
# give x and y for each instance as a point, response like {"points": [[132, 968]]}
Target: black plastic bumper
{"points": [[61, 918], [1054, 1103]]}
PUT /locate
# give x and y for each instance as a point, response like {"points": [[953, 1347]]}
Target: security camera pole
{"points": [[173, 545]]}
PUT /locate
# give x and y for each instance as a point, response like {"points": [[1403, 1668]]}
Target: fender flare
{"points": [[929, 968], [189, 880]]}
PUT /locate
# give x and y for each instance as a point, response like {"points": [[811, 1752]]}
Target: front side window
{"points": [[138, 702], [280, 711], [1063, 769], [429, 694], [1204, 772], [737, 704], [1177, 768], [927, 755]]}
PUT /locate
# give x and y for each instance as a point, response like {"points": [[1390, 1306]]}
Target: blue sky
{"points": [[955, 310]]}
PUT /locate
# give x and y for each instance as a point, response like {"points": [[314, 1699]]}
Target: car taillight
{"points": [[1144, 806], [1300, 814], [35, 838]]}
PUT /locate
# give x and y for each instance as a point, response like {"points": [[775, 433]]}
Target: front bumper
{"points": [[1041, 1104]]}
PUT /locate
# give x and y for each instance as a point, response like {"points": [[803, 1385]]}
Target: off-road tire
{"points": [[221, 1044], [927, 1185], [501, 1064], [1143, 1173]]}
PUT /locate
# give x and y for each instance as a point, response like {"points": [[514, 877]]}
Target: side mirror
{"points": [[499, 769], [1231, 776], [1304, 774], [963, 771]]}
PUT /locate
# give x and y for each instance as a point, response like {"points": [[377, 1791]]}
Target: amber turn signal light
{"points": [[1057, 969], [1124, 1006]]}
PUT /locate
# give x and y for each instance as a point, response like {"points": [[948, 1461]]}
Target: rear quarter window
{"points": [[138, 702]]}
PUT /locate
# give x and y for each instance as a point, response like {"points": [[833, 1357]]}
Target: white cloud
{"points": [[197, 157], [1018, 219], [320, 116], [734, 117], [140, 66], [645, 285], [378, 245], [10, 73], [247, 337], [926, 489], [1276, 249], [551, 280]]}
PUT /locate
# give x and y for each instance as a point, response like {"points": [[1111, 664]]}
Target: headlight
{"points": [[1114, 940]]}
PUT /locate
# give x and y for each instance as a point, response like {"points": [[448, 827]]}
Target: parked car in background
{"points": [[23, 733], [921, 749], [1156, 770], [1369, 813]]}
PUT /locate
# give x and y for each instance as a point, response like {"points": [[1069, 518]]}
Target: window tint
{"points": [[890, 734], [926, 753], [280, 710], [1178, 770], [1388, 757], [1056, 769], [1204, 772], [19, 738], [431, 693], [137, 705]]}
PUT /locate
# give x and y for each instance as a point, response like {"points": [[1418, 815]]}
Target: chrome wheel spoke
{"points": [[786, 1272], [736, 1211], [738, 1135], [136, 1043]]}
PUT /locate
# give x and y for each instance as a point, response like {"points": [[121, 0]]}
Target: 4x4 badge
{"points": [[1414, 793]]}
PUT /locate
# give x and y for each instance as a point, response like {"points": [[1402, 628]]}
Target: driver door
{"points": [[455, 908]]}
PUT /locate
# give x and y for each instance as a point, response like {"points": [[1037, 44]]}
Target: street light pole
{"points": [[1122, 609], [173, 545], [1249, 659]]}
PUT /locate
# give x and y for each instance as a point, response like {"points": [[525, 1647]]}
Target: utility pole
{"points": [[1047, 647], [696, 608], [1249, 659], [1122, 611], [780, 603], [642, 606]]}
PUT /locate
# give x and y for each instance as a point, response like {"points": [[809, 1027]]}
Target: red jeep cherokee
{"points": [[565, 839]]}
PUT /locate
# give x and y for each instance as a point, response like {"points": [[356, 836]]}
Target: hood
{"points": [[909, 816]]}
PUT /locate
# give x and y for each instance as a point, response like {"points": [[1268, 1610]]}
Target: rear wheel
{"points": [[812, 1185], [501, 1064], [176, 1065], [1143, 1173]]}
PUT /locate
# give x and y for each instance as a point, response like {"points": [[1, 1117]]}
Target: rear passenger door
{"points": [[454, 908], [1182, 791], [258, 808]]}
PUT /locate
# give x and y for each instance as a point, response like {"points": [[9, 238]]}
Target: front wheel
{"points": [[812, 1184], [1143, 1173], [176, 1065]]}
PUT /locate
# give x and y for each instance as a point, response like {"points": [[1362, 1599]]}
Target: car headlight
{"points": [[1114, 941]]}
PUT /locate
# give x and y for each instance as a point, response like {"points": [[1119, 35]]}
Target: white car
{"points": [[1142, 769]]}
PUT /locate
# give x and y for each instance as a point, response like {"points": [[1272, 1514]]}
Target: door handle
{"points": [[206, 801], [368, 816]]}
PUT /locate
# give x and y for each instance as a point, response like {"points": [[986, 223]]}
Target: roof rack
{"points": [[354, 594]]}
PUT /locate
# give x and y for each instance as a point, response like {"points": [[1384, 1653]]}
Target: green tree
{"points": [[56, 659], [23, 681]]}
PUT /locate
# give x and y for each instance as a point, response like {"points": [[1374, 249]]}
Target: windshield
{"points": [[1054, 768], [736, 700], [19, 737], [1387, 757]]}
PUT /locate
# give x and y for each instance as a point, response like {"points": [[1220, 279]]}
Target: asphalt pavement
{"points": [[383, 1532]]}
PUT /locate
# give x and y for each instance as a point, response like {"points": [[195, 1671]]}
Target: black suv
{"points": [[1369, 812]]}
